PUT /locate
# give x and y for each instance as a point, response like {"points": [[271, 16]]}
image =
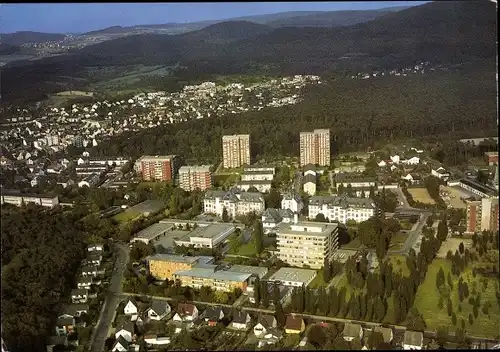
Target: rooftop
{"points": [[154, 230], [221, 275], [293, 274], [247, 269], [194, 168], [344, 202], [308, 228], [173, 258]]}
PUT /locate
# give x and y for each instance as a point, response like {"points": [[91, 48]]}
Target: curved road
{"points": [[112, 300]]}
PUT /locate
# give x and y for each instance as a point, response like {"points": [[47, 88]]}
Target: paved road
{"points": [[365, 324], [111, 301]]}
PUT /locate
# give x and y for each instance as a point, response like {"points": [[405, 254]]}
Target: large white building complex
{"points": [[315, 147], [235, 202], [341, 209], [306, 243], [235, 150]]}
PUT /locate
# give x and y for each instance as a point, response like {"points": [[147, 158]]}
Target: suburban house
{"points": [[292, 202], [65, 326], [92, 270], [413, 340], [271, 218], [131, 307], [386, 333], [352, 331], [294, 325], [213, 315], [79, 296], [264, 323], [126, 331], [310, 169], [186, 312], [84, 282], [121, 345], [158, 310], [309, 184], [271, 337], [95, 248], [241, 320], [73, 310], [153, 340], [440, 173], [93, 258], [412, 178], [412, 161]]}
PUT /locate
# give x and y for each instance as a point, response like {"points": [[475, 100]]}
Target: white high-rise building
{"points": [[235, 150], [315, 147]]}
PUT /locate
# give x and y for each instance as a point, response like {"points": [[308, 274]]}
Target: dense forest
{"points": [[41, 251], [438, 32], [359, 113]]}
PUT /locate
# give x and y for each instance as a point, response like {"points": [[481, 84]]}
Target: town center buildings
{"points": [[235, 150], [315, 147], [306, 243]]}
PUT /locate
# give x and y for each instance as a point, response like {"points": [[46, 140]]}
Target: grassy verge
{"points": [[126, 216], [427, 299], [318, 281]]}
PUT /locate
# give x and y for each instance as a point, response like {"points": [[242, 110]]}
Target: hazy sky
{"points": [[77, 18]]}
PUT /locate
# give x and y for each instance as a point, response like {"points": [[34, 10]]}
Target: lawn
{"points": [[247, 249], [397, 241], [427, 299], [354, 244], [318, 281], [421, 195], [126, 216], [399, 264]]}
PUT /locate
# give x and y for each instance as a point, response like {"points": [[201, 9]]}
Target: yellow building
{"points": [[163, 266], [221, 280]]}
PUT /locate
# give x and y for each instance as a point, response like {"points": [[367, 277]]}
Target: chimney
{"points": [[295, 218]]}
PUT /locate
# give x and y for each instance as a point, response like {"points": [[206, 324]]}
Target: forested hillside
{"points": [[358, 112], [41, 251]]}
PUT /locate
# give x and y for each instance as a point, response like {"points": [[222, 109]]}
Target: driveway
{"points": [[112, 299]]}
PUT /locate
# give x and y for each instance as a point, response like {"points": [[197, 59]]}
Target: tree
{"points": [[225, 215], [415, 320], [375, 340], [450, 281], [440, 279], [264, 293], [280, 315], [449, 307], [454, 319], [327, 270], [273, 199], [256, 290], [461, 248], [320, 218], [316, 335], [442, 335], [471, 319], [442, 231], [258, 236]]}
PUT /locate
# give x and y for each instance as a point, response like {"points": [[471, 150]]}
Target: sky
{"points": [[79, 17]]}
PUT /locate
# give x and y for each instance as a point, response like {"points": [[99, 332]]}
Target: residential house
{"points": [[234, 201], [413, 340], [131, 307], [185, 312], [352, 332], [294, 324], [441, 173], [264, 323], [73, 310], [412, 178], [241, 320], [92, 270], [293, 202], [159, 310], [79, 296], [213, 315], [85, 282], [411, 161], [271, 337], [309, 184], [126, 331], [95, 248], [121, 345], [93, 258], [153, 340], [271, 218], [65, 326], [310, 169]]}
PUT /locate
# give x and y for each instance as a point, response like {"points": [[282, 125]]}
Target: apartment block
{"points": [[235, 202], [195, 177], [163, 266], [341, 209], [235, 150], [220, 280], [315, 147], [482, 215], [15, 197], [306, 243], [158, 168]]}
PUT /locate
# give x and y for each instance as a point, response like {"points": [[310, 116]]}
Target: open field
{"points": [[397, 241], [147, 207], [421, 195], [126, 216], [451, 244], [455, 193], [427, 300], [318, 280]]}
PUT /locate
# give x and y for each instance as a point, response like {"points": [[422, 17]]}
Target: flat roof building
{"points": [[163, 266], [222, 280], [293, 276], [152, 233], [258, 271], [307, 243], [17, 198]]}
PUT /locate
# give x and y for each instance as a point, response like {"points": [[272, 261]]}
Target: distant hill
{"points": [[332, 18], [439, 32], [7, 49], [20, 38]]}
